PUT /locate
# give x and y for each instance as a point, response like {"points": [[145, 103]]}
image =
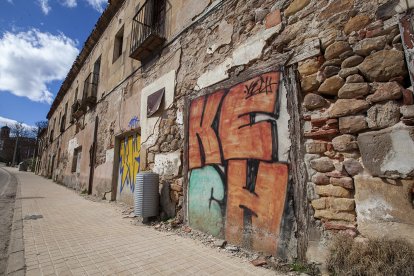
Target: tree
{"points": [[41, 125], [22, 133], [18, 131]]}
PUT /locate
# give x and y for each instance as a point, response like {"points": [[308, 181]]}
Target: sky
{"points": [[39, 41]]}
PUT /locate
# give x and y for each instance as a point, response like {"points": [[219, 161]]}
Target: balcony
{"points": [[90, 90], [78, 109], [148, 29]]}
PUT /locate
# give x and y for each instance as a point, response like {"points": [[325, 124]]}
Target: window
{"points": [[63, 123], [74, 103], [118, 44], [60, 118], [76, 160]]}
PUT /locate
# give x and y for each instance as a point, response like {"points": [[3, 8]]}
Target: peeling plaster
{"points": [[374, 208], [225, 31], [245, 53], [149, 131], [400, 157], [72, 145], [167, 163], [109, 156], [284, 142]]}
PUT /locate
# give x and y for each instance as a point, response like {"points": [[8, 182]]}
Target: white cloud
{"points": [[98, 5], [10, 1], [44, 5], [31, 60], [69, 3], [10, 123]]}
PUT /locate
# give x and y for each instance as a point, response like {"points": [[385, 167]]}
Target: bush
{"points": [[373, 257]]}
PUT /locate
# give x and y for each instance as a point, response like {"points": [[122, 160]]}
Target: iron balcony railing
{"points": [[77, 109], [148, 29], [90, 89]]}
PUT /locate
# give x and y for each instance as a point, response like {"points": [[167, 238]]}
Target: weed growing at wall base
{"points": [[373, 257]]}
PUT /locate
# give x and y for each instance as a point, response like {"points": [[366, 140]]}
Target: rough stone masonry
{"points": [[342, 122]]}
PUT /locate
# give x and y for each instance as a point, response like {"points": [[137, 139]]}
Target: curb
{"points": [[16, 262]]}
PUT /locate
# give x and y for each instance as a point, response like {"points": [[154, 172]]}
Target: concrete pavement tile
{"points": [[94, 237], [33, 272]]}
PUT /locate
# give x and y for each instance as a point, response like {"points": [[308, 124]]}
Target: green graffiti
{"points": [[206, 197]]}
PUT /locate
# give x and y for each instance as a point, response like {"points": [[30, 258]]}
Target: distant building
{"points": [[25, 150]]}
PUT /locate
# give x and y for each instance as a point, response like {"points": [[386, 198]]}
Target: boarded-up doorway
{"points": [[129, 150]]}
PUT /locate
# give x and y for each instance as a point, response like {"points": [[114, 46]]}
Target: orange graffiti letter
{"points": [[241, 135], [203, 142]]}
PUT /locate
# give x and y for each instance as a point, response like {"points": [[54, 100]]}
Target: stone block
{"points": [[330, 71], [352, 61], [322, 164], [346, 72], [341, 204], [321, 134], [356, 23], [331, 86], [328, 214], [315, 146], [367, 45], [407, 111], [345, 182], [344, 107], [338, 225], [320, 179], [355, 78], [296, 6], [352, 166], [335, 7], [310, 83], [384, 207], [309, 66], [345, 142], [383, 115], [273, 18], [388, 152], [327, 37], [353, 90], [352, 124], [313, 101], [385, 92], [408, 97], [336, 49], [332, 191], [383, 65], [318, 204], [260, 14]]}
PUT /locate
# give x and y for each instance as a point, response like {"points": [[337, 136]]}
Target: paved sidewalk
{"points": [[76, 236]]}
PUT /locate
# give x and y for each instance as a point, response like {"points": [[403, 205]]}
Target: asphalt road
{"points": [[8, 186]]}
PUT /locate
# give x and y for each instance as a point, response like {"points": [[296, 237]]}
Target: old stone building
{"points": [[25, 147], [273, 124]]}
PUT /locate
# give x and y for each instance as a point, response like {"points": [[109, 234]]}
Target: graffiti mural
{"points": [[237, 186], [129, 162]]}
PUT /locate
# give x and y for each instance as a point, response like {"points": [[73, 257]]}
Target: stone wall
{"points": [[358, 104], [355, 98]]}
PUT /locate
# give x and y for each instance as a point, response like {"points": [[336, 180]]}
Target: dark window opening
{"points": [[77, 154], [118, 44]]}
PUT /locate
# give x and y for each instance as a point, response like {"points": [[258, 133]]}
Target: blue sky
{"points": [[39, 40]]}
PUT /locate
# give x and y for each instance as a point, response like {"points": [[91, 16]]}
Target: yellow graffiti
{"points": [[129, 161]]}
